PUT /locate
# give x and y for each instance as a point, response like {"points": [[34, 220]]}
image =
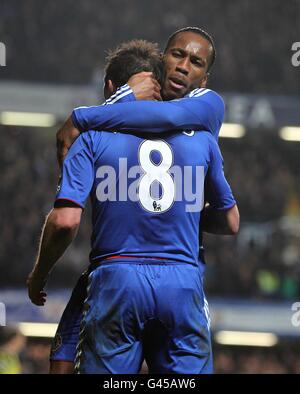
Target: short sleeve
{"points": [[77, 173]]}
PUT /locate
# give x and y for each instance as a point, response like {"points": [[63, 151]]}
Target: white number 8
{"points": [[159, 173]]}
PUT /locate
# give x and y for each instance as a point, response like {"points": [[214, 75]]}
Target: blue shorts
{"points": [[137, 310], [64, 344]]}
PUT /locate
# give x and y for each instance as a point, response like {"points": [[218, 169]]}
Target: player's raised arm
{"points": [[202, 110], [221, 216]]}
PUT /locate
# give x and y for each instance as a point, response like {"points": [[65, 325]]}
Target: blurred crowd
{"points": [[67, 41], [262, 261], [279, 360], [21, 355]]}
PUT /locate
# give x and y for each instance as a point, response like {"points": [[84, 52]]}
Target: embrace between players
{"points": [[150, 162]]}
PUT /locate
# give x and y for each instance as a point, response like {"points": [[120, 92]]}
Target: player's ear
{"points": [[109, 88]]}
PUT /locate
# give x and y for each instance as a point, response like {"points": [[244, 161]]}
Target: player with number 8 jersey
{"points": [[145, 297], [144, 247]]}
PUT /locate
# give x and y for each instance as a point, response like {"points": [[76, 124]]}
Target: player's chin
{"points": [[171, 94]]}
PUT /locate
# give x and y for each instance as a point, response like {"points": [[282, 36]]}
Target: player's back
{"points": [[148, 194]]}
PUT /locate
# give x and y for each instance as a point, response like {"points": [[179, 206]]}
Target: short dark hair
{"points": [[131, 58], [203, 34]]}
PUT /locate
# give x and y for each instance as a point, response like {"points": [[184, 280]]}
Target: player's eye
{"points": [[198, 62], [177, 54]]}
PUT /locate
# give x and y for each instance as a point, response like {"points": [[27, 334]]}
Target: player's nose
{"points": [[183, 66]]}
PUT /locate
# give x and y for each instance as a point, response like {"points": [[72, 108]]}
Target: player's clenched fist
{"points": [[35, 286], [145, 86]]}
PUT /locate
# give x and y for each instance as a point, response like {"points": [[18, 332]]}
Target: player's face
{"points": [[186, 61]]}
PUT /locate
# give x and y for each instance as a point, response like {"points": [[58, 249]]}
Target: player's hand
{"points": [[65, 137], [35, 286], [145, 86]]}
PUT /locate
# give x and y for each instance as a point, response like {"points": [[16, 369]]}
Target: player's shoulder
{"points": [[91, 136], [204, 92], [208, 94], [207, 139], [206, 136], [87, 139], [213, 102], [122, 94], [85, 142]]}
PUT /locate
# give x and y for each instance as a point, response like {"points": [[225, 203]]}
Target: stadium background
{"points": [[54, 57]]}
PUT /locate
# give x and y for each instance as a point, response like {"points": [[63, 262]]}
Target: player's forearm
{"points": [[55, 239], [222, 222], [144, 117], [150, 116]]}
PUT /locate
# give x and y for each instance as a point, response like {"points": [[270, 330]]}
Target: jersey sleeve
{"points": [[204, 110], [217, 190], [78, 172], [123, 94]]}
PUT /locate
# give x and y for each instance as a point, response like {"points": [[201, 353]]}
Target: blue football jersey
{"points": [[202, 109], [147, 194]]}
